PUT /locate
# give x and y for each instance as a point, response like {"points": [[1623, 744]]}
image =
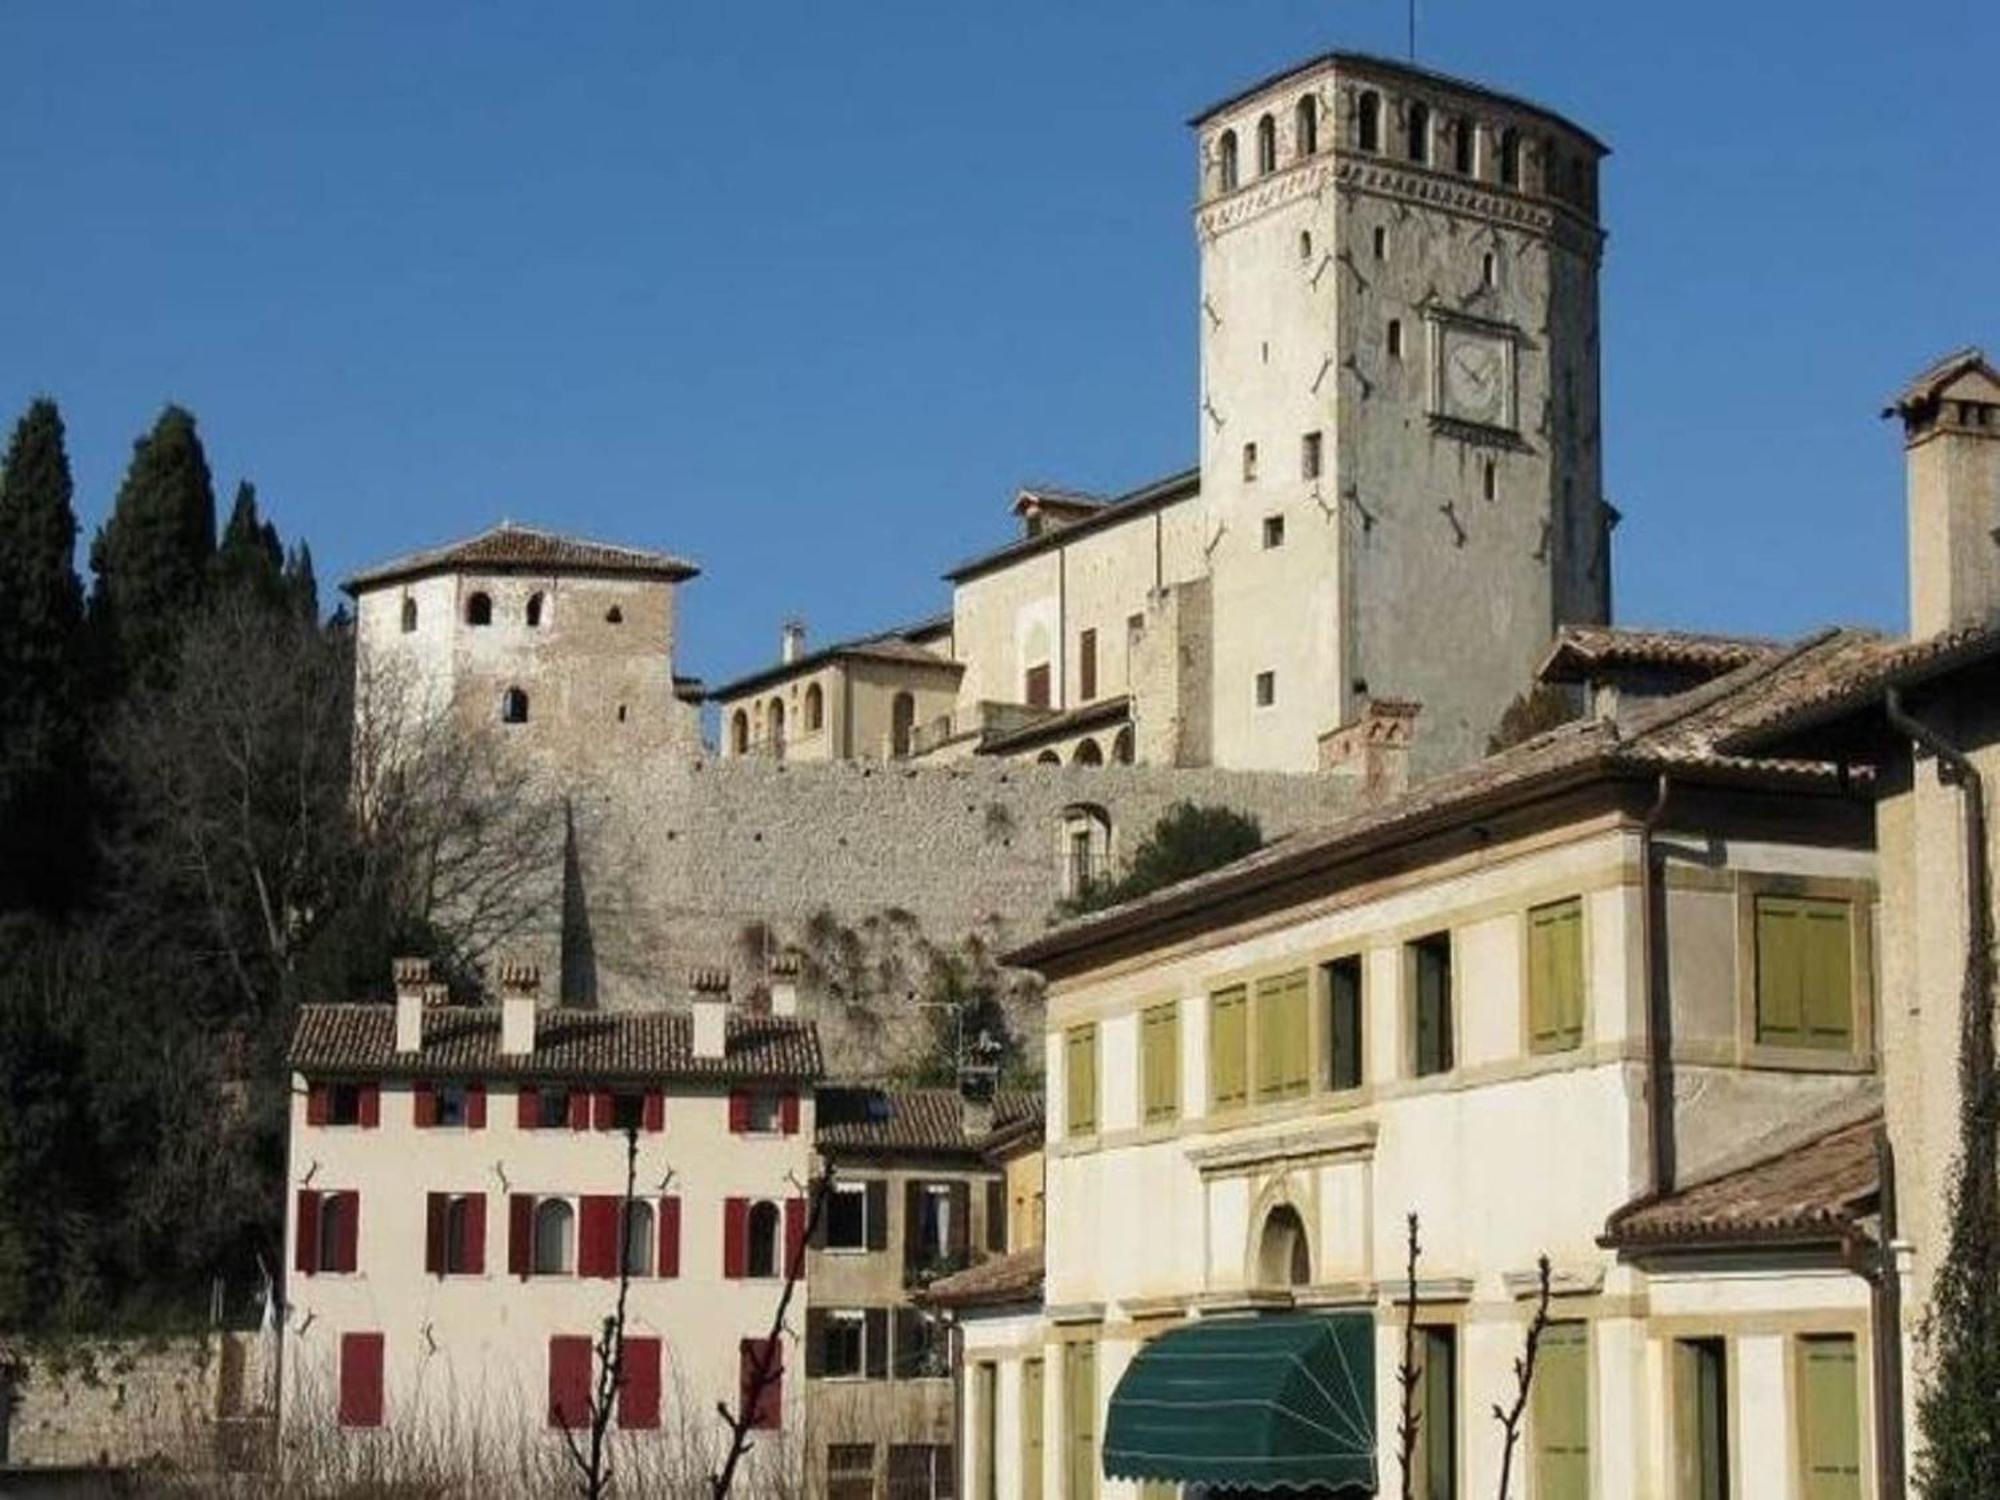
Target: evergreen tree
{"points": [[250, 559], [301, 583], [151, 558], [41, 617]]}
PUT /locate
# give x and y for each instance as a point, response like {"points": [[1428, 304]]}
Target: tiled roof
{"points": [[925, 1120], [1113, 710], [1686, 734], [508, 547], [1142, 501], [1584, 651], [1810, 1190], [569, 1044], [1926, 385], [1004, 1278], [898, 646]]}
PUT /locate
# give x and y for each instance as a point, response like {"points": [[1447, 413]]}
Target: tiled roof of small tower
{"points": [[360, 1040], [920, 1120], [1926, 385], [512, 548], [1582, 651]]}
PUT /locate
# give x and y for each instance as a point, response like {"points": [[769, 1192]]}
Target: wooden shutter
{"points": [[1827, 999], [670, 1236], [639, 1384], [913, 1222], [960, 1246], [795, 1237], [878, 1215], [370, 1102], [1160, 1062], [349, 1256], [1086, 666], [424, 1104], [1031, 1429], [579, 1109], [1781, 965], [1555, 976], [788, 1112], [735, 1235], [996, 1216], [1228, 1048], [655, 1115], [739, 1111], [1560, 1419], [361, 1380], [1080, 1401], [1284, 1057], [1437, 1411], [305, 1233], [520, 1234], [875, 1342], [597, 1236], [1080, 1080], [316, 1103], [569, 1380], [815, 1343], [984, 1429], [527, 1108], [1829, 1419], [436, 1207], [603, 1114], [766, 1410], [1701, 1414], [475, 1106], [475, 1234]]}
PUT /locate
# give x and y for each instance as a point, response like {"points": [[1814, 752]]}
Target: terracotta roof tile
{"points": [[1814, 1189], [511, 547], [1582, 651], [571, 1044], [914, 1119], [1004, 1278]]}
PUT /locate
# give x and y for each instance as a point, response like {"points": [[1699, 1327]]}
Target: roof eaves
{"points": [[1125, 507]]}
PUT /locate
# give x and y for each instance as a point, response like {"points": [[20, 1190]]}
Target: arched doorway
{"points": [[1284, 1258]]}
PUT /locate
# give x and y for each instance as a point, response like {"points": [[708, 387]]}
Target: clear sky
{"points": [[803, 290]]}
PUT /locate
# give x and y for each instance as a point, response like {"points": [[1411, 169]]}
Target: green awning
{"points": [[1286, 1400]]}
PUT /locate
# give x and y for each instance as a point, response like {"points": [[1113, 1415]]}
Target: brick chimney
{"points": [[792, 641], [520, 997], [416, 991], [708, 1002], [1374, 747], [785, 984], [1951, 444]]}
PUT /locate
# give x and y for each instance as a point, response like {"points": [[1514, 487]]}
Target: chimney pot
{"points": [[785, 984], [708, 1005], [792, 641], [415, 992], [520, 997], [1951, 441]]}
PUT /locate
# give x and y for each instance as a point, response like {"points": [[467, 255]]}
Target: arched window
{"points": [[614, 616], [513, 706], [1225, 156], [815, 709], [1085, 847], [761, 1253], [535, 611], [409, 614], [479, 609], [1420, 132], [739, 732], [1510, 158], [1267, 146], [1368, 121], [1121, 748], [555, 1237], [1087, 754], [333, 1212], [458, 1237], [1305, 125], [1284, 1258], [1464, 138], [902, 724], [774, 724], [1048, 758], [638, 1239]]}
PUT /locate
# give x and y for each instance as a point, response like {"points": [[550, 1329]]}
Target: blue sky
{"points": [[803, 291]]}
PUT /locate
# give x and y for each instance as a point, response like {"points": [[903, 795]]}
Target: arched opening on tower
{"points": [[1368, 121], [513, 706], [1267, 146], [1225, 158], [1305, 125], [535, 611], [479, 609]]}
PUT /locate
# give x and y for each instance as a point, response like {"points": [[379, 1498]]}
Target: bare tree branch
{"points": [[1406, 1372], [1524, 1378]]}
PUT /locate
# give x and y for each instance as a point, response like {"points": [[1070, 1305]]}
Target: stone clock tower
{"points": [[1400, 460]]}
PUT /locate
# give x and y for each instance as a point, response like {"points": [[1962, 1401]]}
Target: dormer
{"points": [[1043, 509]]}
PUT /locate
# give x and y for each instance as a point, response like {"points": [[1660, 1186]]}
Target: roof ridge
{"points": [[1681, 707]]}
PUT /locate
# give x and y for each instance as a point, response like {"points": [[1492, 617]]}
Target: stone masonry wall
{"points": [[125, 1401]]}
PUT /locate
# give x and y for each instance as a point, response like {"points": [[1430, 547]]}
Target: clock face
{"points": [[1475, 380]]}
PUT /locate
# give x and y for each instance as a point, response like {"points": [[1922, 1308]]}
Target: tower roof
{"points": [[1931, 383], [527, 549]]}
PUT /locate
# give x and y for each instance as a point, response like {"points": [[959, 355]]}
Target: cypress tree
{"points": [[250, 559], [41, 619], [151, 558], [301, 583]]}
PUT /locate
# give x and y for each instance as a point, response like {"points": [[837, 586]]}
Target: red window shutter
{"points": [[350, 1233], [475, 1235], [770, 1401], [305, 1236], [475, 1106], [371, 1105], [670, 1236], [656, 1111], [735, 1226], [520, 1234], [579, 1110], [739, 1110], [361, 1380], [436, 1206], [316, 1104], [788, 1113], [426, 1104], [639, 1384], [527, 1108], [600, 1109], [569, 1381], [795, 1236], [597, 1242]]}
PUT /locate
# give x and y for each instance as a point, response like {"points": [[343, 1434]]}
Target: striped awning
{"points": [[1284, 1401]]}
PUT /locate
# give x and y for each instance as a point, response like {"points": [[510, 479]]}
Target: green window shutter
{"points": [[1343, 995], [1555, 976], [1160, 1062], [1429, 961], [1780, 971], [1080, 1072], [1437, 1412], [1829, 1419], [1284, 1058], [1826, 1002], [1701, 1420], [1228, 1046], [1560, 1419], [1080, 1399], [1031, 1429]]}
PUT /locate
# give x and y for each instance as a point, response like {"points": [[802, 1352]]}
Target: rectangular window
{"points": [[1079, 1421], [844, 1345], [1829, 1419], [1805, 990], [1437, 1414], [984, 1431], [766, 1114], [1274, 533], [1160, 1062], [1555, 976], [1080, 1080], [847, 1216], [921, 1471], [1343, 1022], [1086, 665], [1311, 456], [1560, 1419], [361, 1380], [343, 1104], [628, 1109], [1031, 1429], [1701, 1419], [451, 1107], [923, 1347], [1228, 1048], [552, 1108], [1428, 962], [850, 1471], [1284, 1045], [1249, 462], [1267, 689], [1037, 686]]}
